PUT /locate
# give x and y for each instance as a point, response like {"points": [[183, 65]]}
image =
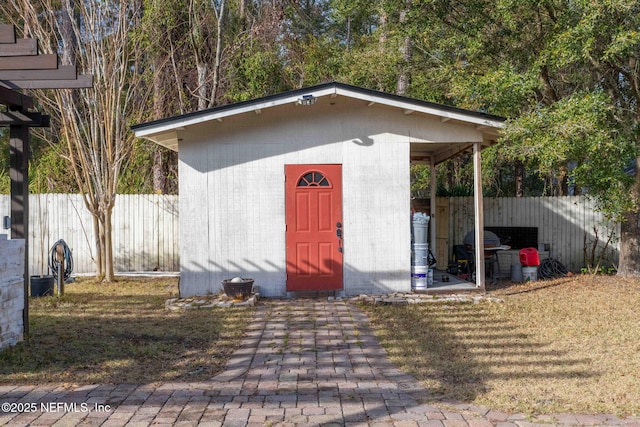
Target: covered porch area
{"points": [[452, 284], [431, 154]]}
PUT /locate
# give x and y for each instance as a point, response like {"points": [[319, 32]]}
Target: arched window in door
{"points": [[313, 179]]}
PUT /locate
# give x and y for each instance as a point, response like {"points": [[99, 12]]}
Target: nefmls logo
{"points": [[73, 407], [64, 407]]}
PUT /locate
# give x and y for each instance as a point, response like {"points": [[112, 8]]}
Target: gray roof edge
{"points": [[304, 91]]}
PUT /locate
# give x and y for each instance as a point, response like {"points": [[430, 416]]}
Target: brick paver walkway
{"points": [[303, 362]]}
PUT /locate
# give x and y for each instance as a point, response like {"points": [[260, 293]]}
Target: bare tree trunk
{"points": [[178, 80], [404, 76], [451, 174], [348, 38], [202, 73], [69, 41], [158, 87], [108, 243], [198, 45], [382, 35], [563, 184], [630, 236], [382, 22], [99, 248], [202, 52], [216, 64], [630, 245], [159, 171], [519, 178]]}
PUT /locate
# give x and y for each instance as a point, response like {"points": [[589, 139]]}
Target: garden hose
{"points": [[67, 256], [551, 268]]}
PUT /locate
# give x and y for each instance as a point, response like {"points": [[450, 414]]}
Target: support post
{"points": [[19, 175], [432, 205], [479, 215], [60, 268]]}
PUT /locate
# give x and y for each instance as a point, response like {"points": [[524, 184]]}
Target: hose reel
{"points": [[60, 263]]}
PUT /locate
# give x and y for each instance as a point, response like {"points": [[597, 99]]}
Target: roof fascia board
{"points": [[486, 124], [233, 111], [403, 105]]}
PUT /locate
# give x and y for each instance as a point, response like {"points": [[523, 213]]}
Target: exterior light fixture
{"points": [[307, 100]]}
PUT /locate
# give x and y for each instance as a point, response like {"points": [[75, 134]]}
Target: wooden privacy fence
{"points": [[146, 228], [570, 226], [145, 231]]}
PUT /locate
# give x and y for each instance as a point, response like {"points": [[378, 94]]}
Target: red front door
{"points": [[313, 217]]}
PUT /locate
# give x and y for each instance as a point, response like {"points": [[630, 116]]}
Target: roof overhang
{"points": [[167, 132]]}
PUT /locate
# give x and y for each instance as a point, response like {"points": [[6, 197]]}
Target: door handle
{"points": [[339, 234]]}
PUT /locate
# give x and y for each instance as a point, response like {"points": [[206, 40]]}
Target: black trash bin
{"points": [[42, 286]]}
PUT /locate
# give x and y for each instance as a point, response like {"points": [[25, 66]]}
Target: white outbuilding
{"points": [[309, 190]]}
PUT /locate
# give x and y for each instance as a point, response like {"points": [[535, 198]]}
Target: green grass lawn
{"points": [[121, 333]]}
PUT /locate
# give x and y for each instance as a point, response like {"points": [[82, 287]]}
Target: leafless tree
{"points": [[93, 123], [207, 57]]}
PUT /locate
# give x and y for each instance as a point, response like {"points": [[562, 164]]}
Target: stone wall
{"points": [[11, 291]]}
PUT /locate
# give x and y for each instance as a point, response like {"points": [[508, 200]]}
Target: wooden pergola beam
{"points": [[24, 118], [82, 81], [7, 33], [29, 62], [64, 72], [15, 100], [22, 47]]}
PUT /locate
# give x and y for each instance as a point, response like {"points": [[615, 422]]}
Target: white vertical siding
{"points": [[194, 221], [377, 217], [246, 201], [246, 226]]}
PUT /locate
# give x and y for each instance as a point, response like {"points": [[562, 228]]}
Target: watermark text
{"points": [[52, 407]]}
